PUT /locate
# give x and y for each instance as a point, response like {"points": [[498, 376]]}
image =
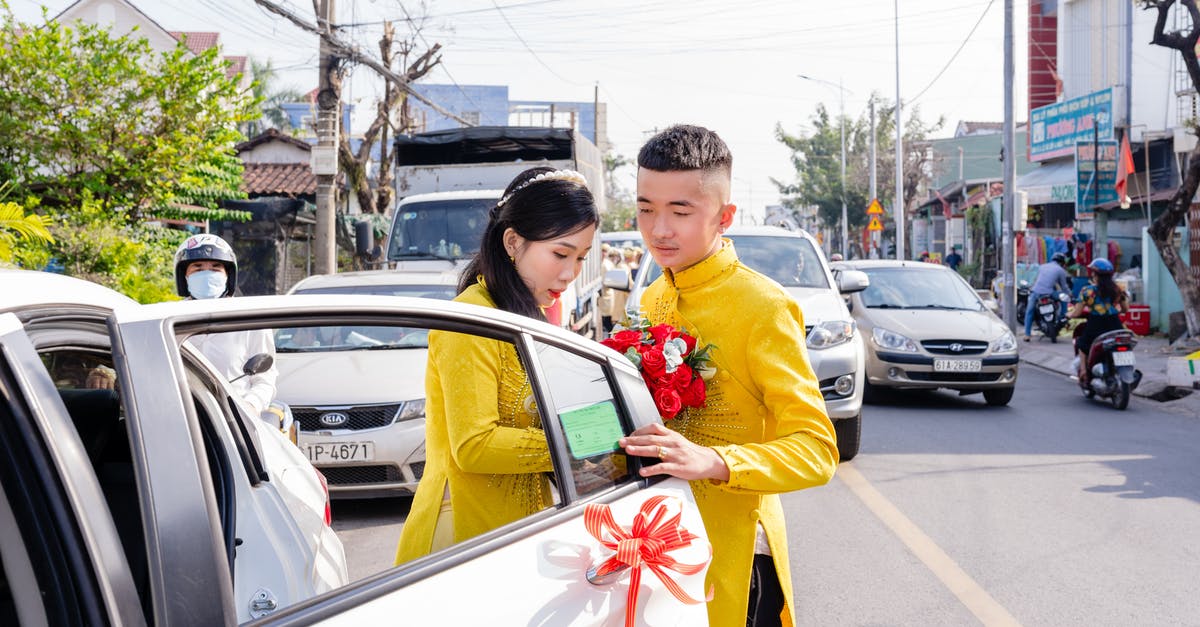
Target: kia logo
{"points": [[954, 348], [334, 419]]}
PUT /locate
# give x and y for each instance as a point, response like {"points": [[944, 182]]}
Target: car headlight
{"points": [[1005, 343], [892, 340], [411, 409], [830, 333]]}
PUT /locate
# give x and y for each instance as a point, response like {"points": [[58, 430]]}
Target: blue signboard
{"points": [[1095, 175], [1055, 129]]}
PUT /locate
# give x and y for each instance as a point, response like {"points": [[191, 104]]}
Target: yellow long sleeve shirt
{"points": [[484, 444], [764, 415]]}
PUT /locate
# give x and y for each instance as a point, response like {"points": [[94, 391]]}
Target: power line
{"points": [[955, 55], [535, 55]]}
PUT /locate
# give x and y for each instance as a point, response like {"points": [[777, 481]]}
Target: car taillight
{"points": [[325, 488], [1121, 348]]}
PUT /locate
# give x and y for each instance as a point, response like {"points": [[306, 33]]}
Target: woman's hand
{"points": [[680, 456]]}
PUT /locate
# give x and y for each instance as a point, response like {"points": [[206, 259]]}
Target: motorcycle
{"points": [[1111, 370], [1050, 317], [1022, 299]]}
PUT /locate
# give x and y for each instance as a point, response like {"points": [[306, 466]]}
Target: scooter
{"points": [[1022, 299], [1111, 367], [1050, 317]]}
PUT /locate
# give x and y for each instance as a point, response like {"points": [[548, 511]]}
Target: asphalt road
{"points": [[1054, 510]]}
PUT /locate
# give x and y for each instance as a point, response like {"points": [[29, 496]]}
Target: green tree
{"points": [[816, 156], [272, 98], [138, 131]]}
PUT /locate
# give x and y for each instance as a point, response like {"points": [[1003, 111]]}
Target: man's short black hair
{"points": [[685, 147]]}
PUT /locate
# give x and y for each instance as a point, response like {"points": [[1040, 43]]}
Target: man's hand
{"points": [[680, 457], [101, 378]]}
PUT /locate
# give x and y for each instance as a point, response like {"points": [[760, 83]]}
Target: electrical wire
{"points": [[531, 51], [954, 56]]}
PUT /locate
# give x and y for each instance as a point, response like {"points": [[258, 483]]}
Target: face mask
{"points": [[206, 284]]}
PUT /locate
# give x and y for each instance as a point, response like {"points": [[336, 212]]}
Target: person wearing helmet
{"points": [[1104, 301], [1049, 277], [206, 267]]}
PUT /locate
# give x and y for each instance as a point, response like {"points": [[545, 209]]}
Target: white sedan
{"points": [[541, 569]]}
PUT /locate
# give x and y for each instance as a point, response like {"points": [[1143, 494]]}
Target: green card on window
{"points": [[592, 430]]}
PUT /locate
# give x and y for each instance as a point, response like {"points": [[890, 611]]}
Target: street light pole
{"points": [[842, 125]]}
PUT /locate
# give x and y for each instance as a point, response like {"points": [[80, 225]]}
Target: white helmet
{"points": [[204, 247]]}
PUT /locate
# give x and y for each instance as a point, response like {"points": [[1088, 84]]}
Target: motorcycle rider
{"points": [[1105, 301], [1049, 277], [206, 267]]}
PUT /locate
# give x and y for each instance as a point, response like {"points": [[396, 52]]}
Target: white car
{"points": [[360, 424], [161, 490], [835, 347], [532, 571]]}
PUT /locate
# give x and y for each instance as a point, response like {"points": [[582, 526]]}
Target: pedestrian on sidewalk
{"points": [[1049, 277]]}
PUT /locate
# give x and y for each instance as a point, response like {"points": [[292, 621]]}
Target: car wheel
{"points": [[849, 431], [873, 394], [997, 397]]}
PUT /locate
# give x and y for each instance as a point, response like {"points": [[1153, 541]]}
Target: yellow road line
{"points": [[956, 580]]}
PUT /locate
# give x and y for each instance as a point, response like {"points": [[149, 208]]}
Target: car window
{"points": [[918, 288], [590, 418], [349, 338]]}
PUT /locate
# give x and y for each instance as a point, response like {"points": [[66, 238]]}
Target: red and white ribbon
{"points": [[654, 533]]}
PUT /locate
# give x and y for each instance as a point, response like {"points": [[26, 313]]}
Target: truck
{"points": [[447, 181]]}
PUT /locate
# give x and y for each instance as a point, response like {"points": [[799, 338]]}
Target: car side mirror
{"points": [[618, 280], [257, 364], [851, 281]]}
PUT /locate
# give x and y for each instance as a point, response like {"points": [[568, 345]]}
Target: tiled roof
{"points": [[237, 65], [292, 179], [268, 135], [197, 42]]}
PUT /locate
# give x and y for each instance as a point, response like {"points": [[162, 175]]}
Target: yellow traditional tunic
{"points": [[764, 415], [484, 444]]}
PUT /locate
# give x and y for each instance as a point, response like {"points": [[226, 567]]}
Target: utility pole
{"points": [[1008, 212], [874, 187], [842, 124], [325, 152], [899, 202]]}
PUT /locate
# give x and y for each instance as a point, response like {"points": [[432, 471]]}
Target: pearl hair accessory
{"points": [[557, 175]]}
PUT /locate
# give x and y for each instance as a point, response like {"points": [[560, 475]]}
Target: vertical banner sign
{"points": [[1095, 176]]}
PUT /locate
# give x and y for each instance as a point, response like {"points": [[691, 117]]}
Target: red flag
{"points": [[945, 205], [1124, 169]]}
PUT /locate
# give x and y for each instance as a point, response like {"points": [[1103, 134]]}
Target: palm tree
{"points": [[272, 99]]}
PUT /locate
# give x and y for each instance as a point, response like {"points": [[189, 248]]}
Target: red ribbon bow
{"points": [[653, 535]]}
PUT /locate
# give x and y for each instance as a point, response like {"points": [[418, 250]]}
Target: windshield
{"points": [[790, 261], [348, 338], [918, 288], [439, 229], [440, 292]]}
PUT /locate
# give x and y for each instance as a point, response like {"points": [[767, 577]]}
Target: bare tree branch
{"points": [[354, 55]]}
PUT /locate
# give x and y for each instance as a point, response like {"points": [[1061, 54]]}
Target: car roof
{"points": [[459, 195], [26, 288], [378, 277], [611, 236], [764, 231]]}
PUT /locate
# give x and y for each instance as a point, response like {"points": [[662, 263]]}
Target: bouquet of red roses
{"points": [[672, 366]]}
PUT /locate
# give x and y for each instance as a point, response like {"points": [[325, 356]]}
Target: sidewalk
{"points": [[1152, 352]]}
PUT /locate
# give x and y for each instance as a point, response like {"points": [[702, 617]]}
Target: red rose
{"points": [[682, 376], [690, 341], [694, 394], [654, 365], [661, 333], [622, 340], [667, 400]]}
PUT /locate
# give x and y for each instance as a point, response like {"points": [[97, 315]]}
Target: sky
{"points": [[730, 66]]}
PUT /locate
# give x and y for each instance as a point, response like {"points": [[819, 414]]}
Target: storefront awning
{"points": [[1050, 183]]}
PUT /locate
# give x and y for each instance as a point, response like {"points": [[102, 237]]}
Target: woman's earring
{"points": [[512, 260]]}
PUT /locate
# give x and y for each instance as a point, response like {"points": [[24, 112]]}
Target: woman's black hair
{"points": [[539, 211], [1108, 288]]}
